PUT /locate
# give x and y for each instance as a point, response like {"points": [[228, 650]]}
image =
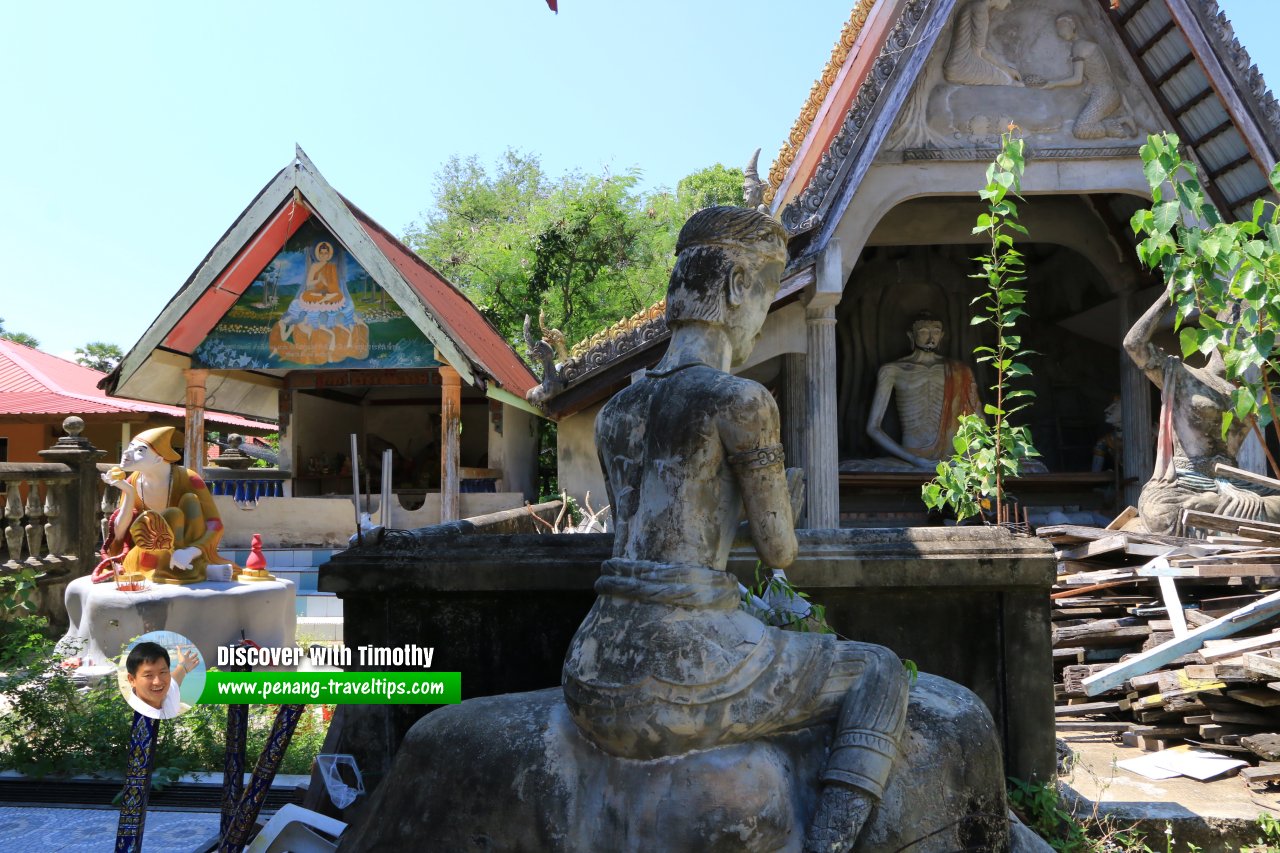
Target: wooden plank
{"points": [[1257, 696], [1264, 665], [1222, 651], [1172, 604], [1071, 655], [1101, 632], [1245, 718], [1075, 591], [1128, 515], [1247, 477], [1086, 708], [1091, 726], [1265, 745], [1197, 618], [1226, 626], [1260, 775], [1096, 548]]}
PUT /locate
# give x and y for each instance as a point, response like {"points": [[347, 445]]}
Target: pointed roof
{"points": [[152, 370], [1203, 81], [36, 383]]}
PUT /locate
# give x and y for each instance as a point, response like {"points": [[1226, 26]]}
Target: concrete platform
{"points": [[1217, 815]]}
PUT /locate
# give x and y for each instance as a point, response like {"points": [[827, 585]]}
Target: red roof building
{"points": [[39, 390]]}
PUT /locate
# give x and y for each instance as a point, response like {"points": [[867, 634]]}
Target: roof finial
{"points": [[752, 186]]}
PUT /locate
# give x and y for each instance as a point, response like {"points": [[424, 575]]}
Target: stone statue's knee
{"points": [[883, 672]]}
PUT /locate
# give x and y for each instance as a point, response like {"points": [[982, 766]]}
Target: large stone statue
{"points": [[685, 724], [666, 662], [1103, 114], [970, 59], [930, 391], [1191, 442], [166, 525]]}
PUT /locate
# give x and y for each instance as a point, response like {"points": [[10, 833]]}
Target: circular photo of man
{"points": [[161, 674]]}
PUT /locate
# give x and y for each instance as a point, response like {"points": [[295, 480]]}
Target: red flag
{"points": [[551, 4]]}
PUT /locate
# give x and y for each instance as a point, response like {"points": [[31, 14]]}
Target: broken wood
{"points": [[1226, 626]]}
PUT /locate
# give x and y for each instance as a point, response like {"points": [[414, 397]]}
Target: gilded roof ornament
{"points": [[817, 94]]}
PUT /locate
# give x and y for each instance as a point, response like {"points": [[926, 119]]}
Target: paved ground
{"points": [[1217, 815], [41, 829]]}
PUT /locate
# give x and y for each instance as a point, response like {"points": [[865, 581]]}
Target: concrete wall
{"points": [[328, 522], [969, 604], [513, 447], [577, 463]]}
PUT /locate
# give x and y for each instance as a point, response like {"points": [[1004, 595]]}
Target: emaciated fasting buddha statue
{"points": [[930, 391]]}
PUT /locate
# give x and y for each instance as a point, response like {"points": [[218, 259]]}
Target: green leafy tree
{"points": [[99, 356], [584, 250], [986, 452], [18, 337], [1212, 269]]}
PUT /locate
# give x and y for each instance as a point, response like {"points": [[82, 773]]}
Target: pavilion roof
{"points": [[462, 337]]}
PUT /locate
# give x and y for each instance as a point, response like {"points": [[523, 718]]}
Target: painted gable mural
{"points": [[313, 306]]}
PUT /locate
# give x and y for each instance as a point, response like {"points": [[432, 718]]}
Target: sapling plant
{"points": [[989, 451], [1224, 276]]}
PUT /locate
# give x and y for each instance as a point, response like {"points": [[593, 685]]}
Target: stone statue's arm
{"points": [[1139, 343], [1075, 78], [875, 420], [750, 434]]}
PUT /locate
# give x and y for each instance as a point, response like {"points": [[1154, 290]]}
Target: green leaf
{"points": [[1189, 339], [1164, 216]]}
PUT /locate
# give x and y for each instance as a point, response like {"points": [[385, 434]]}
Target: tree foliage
{"points": [[584, 249], [987, 452], [18, 337], [99, 356], [1213, 269]]}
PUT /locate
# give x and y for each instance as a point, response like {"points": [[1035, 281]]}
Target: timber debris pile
{"points": [[1167, 640]]}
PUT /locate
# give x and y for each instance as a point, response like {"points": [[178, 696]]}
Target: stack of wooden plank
{"points": [[1161, 640]]}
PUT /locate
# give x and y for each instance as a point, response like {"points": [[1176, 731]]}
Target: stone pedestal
{"points": [[210, 614], [512, 773]]}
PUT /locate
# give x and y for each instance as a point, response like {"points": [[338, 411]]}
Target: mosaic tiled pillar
{"points": [[137, 783], [233, 765], [237, 834]]}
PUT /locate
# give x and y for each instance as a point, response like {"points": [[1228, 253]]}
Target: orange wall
{"points": [[25, 440]]}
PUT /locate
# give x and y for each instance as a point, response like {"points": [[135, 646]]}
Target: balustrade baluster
{"points": [[34, 529], [54, 536], [13, 513]]}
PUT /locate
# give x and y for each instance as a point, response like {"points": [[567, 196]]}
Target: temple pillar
{"points": [[450, 427], [821, 445], [794, 410], [193, 443], [1138, 454], [822, 463]]}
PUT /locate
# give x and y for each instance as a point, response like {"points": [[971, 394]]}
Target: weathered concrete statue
{"points": [[1190, 442], [685, 724], [166, 526], [930, 391], [667, 662]]}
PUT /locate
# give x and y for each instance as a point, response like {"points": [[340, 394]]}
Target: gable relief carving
{"points": [[1052, 67]]}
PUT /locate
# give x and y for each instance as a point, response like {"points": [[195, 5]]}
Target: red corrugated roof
{"points": [[36, 383], [459, 316]]}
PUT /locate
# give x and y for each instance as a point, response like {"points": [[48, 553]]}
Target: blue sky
{"points": [[135, 133]]}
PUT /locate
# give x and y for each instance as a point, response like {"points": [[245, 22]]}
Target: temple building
{"points": [[877, 184], [308, 313]]}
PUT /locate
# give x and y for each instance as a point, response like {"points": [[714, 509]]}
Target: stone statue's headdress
{"points": [[159, 439], [707, 252]]}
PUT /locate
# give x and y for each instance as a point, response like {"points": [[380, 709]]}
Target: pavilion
{"points": [[308, 313]]}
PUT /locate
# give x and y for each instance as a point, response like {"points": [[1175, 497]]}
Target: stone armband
{"points": [[758, 457]]}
